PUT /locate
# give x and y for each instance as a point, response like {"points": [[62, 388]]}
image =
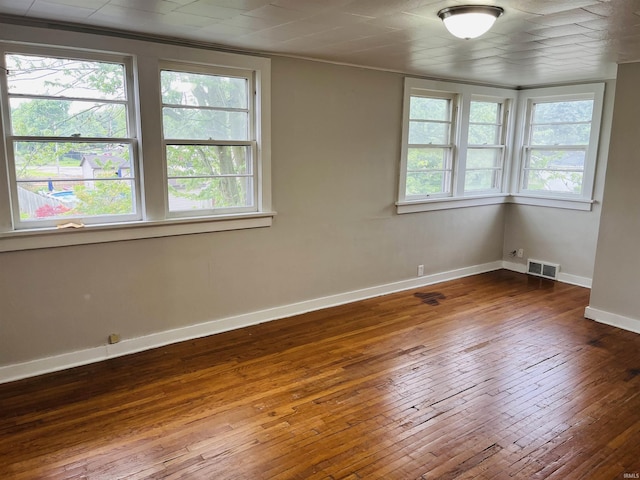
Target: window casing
{"points": [[560, 142], [70, 143], [132, 156], [209, 140], [455, 142]]}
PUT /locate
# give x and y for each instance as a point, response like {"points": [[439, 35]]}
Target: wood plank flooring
{"points": [[496, 376]]}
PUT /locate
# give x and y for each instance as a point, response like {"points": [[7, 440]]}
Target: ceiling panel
{"points": [[535, 42]]}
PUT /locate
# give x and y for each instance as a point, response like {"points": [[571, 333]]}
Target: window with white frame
{"points": [[454, 145], [560, 141], [72, 124], [70, 144], [429, 151], [209, 140], [484, 160]]}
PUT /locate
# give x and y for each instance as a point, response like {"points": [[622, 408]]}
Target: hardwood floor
{"points": [[495, 376]]}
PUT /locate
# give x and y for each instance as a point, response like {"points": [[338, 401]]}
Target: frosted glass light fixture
{"points": [[469, 21]]}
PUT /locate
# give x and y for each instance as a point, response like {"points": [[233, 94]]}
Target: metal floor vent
{"points": [[543, 269]]}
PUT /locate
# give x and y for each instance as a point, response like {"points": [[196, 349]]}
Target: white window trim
{"points": [[515, 132], [555, 199], [147, 57]]}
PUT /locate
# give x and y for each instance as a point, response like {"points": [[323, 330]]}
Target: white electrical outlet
{"points": [[520, 252], [421, 270]]}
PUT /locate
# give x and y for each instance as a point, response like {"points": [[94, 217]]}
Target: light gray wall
{"points": [[335, 154], [566, 237], [616, 280]]}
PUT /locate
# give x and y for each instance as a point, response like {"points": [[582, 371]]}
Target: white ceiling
{"points": [[535, 42]]}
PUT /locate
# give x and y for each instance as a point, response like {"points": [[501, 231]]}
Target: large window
{"points": [[209, 140], [101, 147], [560, 142], [454, 145], [70, 149]]}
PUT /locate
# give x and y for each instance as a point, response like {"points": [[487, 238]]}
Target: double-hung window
{"points": [[70, 144], [454, 145], [560, 142], [429, 147], [485, 152], [209, 140]]}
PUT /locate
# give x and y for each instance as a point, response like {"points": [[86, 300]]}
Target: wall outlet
{"points": [[114, 338], [421, 270], [520, 252]]}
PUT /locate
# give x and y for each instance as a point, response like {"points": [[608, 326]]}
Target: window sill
{"points": [[449, 202], [52, 237], [553, 202]]}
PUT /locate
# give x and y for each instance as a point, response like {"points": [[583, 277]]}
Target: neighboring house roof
{"points": [[98, 162]]}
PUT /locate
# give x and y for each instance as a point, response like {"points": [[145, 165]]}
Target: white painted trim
{"points": [[514, 267], [613, 319], [562, 277], [574, 280], [82, 357]]}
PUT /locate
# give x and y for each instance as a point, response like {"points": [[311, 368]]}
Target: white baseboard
{"points": [[562, 277], [613, 319], [82, 357]]}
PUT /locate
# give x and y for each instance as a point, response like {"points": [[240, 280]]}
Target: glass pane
{"points": [[64, 77], [64, 118], [426, 133], [422, 108], [484, 112], [484, 158], [71, 161], [194, 124], [427, 183], [209, 193], [484, 135], [427, 159], [577, 134], [562, 112], [476, 180], [75, 198], [553, 181], [200, 90], [207, 160], [557, 159]]}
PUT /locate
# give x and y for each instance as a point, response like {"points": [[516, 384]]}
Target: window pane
{"points": [[429, 109], [71, 161], [75, 198], [484, 112], [64, 118], [427, 183], [427, 159], [557, 159], [63, 77], [426, 133], [194, 124], [476, 180], [183, 88], [484, 135], [576, 134], [207, 160], [572, 111], [484, 158], [553, 181], [210, 193]]}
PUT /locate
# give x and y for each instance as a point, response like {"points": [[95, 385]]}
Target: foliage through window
{"points": [[430, 146], [556, 145], [485, 146], [70, 148], [210, 146]]}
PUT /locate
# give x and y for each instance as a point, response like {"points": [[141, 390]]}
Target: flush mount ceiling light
{"points": [[469, 21]]}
